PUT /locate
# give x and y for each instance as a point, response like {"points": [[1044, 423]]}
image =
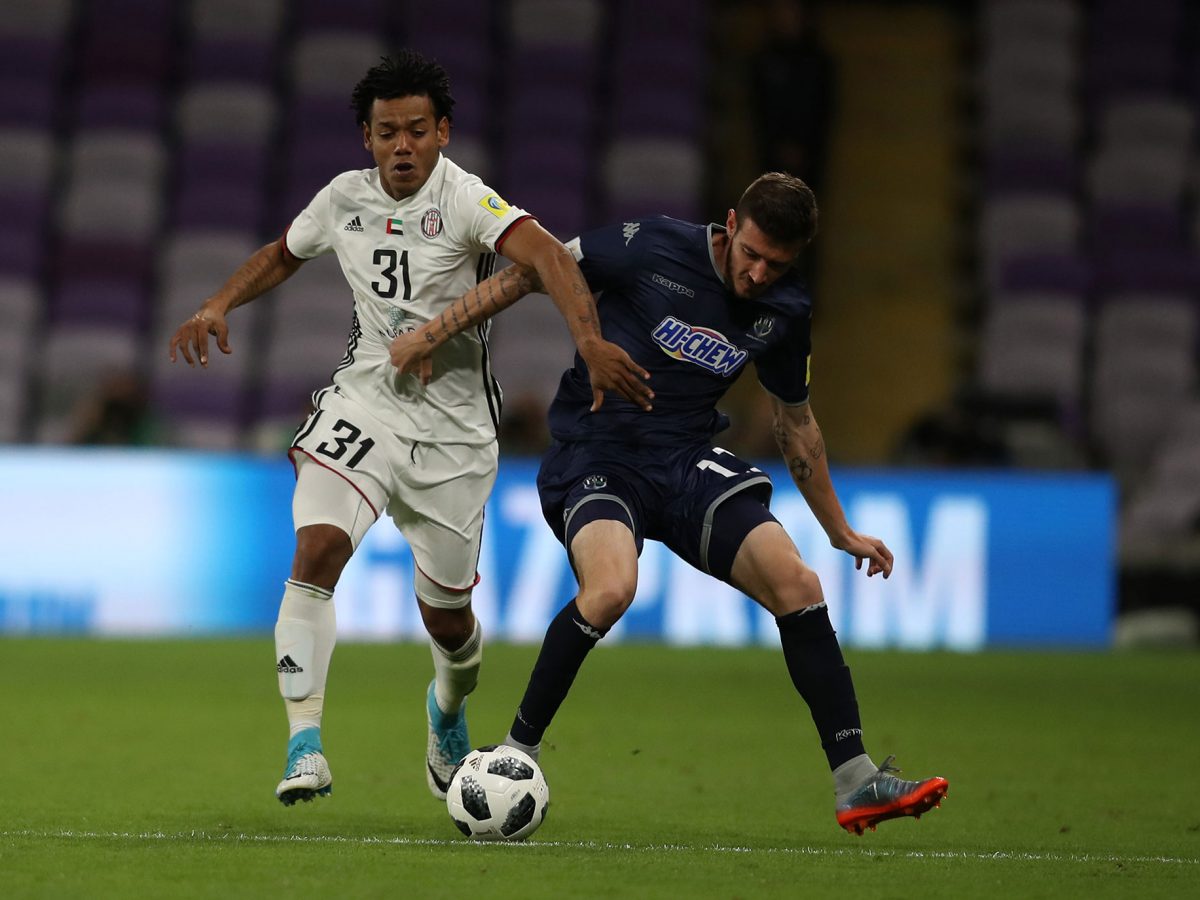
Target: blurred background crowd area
{"points": [[1007, 273]]}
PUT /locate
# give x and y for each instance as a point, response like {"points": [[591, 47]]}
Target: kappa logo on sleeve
{"points": [[493, 204]]}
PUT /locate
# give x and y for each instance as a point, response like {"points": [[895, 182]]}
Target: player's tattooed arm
{"points": [[267, 267], [481, 302], [799, 439], [410, 352]]}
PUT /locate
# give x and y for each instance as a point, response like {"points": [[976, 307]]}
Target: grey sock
{"points": [[533, 751], [851, 775]]}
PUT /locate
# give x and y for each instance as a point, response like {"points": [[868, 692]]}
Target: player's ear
{"points": [[366, 131], [731, 221], [443, 131]]}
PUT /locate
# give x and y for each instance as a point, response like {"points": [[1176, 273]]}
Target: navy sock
{"points": [[567, 643], [820, 674]]}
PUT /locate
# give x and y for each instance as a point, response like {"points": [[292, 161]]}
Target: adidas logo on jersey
{"points": [[287, 665], [354, 224]]}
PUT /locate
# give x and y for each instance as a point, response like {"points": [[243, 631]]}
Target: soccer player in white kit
{"points": [[411, 235]]}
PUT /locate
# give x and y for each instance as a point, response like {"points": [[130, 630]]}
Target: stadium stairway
{"points": [[885, 338]]}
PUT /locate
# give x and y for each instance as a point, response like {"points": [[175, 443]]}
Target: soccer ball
{"points": [[497, 794]]}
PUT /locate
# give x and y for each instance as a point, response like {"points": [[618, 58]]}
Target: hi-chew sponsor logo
{"points": [[705, 347]]}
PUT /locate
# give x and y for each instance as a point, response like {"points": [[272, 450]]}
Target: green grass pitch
{"points": [[148, 768]]}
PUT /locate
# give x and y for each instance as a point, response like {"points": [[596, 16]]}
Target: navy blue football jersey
{"points": [[663, 301]]}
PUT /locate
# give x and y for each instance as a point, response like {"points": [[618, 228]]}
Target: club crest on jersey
{"points": [[705, 347], [595, 483], [431, 223]]}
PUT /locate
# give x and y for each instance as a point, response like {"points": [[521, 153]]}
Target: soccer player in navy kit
{"points": [[693, 305]]}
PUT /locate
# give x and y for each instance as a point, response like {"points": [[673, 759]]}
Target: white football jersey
{"points": [[406, 261]]}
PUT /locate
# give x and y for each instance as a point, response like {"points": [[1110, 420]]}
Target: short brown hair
{"points": [[782, 206]]}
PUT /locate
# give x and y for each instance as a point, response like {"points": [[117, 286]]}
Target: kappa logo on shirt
{"points": [[672, 285], [705, 347]]}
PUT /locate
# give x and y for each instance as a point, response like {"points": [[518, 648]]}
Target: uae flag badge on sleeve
{"points": [[395, 226]]}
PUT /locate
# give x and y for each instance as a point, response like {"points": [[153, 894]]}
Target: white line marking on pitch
{"points": [[1017, 855]]}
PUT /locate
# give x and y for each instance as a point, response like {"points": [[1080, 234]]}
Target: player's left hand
{"points": [[863, 547], [612, 369], [411, 353]]}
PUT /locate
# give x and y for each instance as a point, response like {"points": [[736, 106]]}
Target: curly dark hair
{"points": [[406, 74], [782, 206]]}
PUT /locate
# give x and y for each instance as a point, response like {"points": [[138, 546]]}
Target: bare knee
{"points": [[795, 587], [604, 604], [451, 628], [322, 551]]}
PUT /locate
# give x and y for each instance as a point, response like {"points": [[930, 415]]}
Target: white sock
{"points": [[456, 672], [305, 634], [851, 775]]}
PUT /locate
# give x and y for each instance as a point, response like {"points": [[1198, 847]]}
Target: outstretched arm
{"points": [[610, 367], [803, 448], [269, 266]]}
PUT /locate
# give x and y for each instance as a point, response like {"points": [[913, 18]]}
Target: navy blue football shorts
{"points": [[700, 501]]}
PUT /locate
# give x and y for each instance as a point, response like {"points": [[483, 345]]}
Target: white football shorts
{"points": [[350, 469]]}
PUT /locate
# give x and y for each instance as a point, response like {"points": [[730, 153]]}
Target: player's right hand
{"points": [[412, 353], [192, 336], [612, 369]]}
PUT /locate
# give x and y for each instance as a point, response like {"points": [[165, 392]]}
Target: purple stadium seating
{"points": [[27, 104], [1030, 170], [248, 61], [21, 251], [78, 259], [137, 106], [1047, 272], [32, 59], [1114, 228], [218, 204], [344, 15], [114, 304]]}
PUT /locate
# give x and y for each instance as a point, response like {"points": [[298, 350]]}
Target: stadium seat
{"points": [[1015, 225], [44, 18], [235, 19], [1149, 175], [27, 159], [331, 63], [1051, 120], [1014, 21], [229, 112], [20, 306], [1033, 346], [1164, 122], [570, 23]]}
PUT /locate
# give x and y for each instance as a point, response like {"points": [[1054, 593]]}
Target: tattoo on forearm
{"points": [[800, 469], [779, 432]]}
